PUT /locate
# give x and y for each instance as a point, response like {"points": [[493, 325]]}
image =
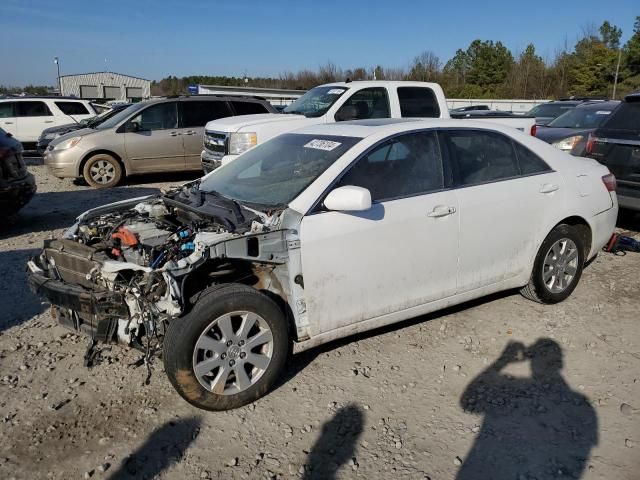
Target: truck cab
{"points": [[226, 138]]}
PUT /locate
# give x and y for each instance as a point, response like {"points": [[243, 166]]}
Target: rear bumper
{"points": [[94, 313], [602, 227], [15, 194]]}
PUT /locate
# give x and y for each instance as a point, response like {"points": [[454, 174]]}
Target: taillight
{"points": [[534, 129], [590, 141], [610, 182]]}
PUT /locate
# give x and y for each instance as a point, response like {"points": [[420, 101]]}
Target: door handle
{"points": [[175, 134], [48, 121], [548, 188], [190, 132], [8, 123], [441, 211]]}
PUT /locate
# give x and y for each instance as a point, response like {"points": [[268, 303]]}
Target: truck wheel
{"points": [[557, 268], [229, 350], [102, 171]]}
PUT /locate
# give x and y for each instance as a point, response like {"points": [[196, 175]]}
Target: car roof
{"points": [[380, 83], [609, 104], [366, 128], [43, 97]]}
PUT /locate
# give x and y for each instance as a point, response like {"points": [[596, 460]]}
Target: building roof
{"points": [[98, 73]]}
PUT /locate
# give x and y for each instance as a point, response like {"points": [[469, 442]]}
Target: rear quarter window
{"points": [[625, 117], [248, 108], [72, 108], [418, 102], [529, 162]]}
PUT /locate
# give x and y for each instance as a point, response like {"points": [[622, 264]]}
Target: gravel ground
{"points": [[442, 396]]}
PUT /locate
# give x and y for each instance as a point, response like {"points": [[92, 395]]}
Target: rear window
{"points": [[72, 108], [248, 108], [418, 102], [32, 109], [625, 117], [550, 110]]}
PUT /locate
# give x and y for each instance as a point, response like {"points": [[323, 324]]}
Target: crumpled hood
{"points": [[234, 124]]}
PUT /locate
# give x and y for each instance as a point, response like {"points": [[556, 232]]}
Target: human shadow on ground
{"points": [[336, 444], [17, 302], [533, 428], [164, 447]]}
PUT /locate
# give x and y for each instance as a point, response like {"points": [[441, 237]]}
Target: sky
{"points": [[154, 39]]}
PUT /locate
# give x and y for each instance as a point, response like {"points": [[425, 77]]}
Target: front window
{"points": [[316, 101], [162, 116], [277, 171], [364, 104], [581, 118], [121, 116]]}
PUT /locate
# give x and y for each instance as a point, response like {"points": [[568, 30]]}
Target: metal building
{"points": [[105, 86]]}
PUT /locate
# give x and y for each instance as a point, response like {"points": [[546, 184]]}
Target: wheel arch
{"points": [[93, 153], [582, 227]]}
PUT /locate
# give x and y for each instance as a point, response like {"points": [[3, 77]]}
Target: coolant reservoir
{"points": [[157, 210]]}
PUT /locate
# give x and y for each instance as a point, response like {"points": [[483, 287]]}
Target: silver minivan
{"points": [[154, 136]]}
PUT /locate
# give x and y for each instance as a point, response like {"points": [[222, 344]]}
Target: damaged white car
{"points": [[322, 233]]}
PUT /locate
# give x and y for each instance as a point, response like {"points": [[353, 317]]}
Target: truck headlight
{"points": [[567, 144], [241, 142], [70, 143]]}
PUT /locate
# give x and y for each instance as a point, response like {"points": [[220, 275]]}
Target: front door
{"points": [[153, 141], [399, 254], [194, 115]]}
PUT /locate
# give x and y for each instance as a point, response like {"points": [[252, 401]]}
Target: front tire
{"points": [[102, 171], [558, 266], [229, 350]]}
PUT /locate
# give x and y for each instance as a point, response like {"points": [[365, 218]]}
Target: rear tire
{"points": [[557, 268], [102, 171], [229, 350]]}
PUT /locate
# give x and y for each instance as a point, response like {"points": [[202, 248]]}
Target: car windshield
{"points": [[316, 101], [550, 110], [590, 117], [93, 122], [120, 116], [277, 171]]}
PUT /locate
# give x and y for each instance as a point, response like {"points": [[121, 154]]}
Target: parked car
{"points": [[25, 118], [546, 112], [17, 185], [322, 233], [152, 136], [49, 134], [616, 144], [226, 138], [569, 132], [469, 108]]}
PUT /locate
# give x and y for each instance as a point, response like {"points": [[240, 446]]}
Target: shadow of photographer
{"points": [[533, 428]]}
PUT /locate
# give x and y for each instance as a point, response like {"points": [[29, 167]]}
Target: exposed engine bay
{"points": [[125, 269]]}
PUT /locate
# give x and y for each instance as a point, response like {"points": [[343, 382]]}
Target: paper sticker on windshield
{"points": [[603, 112], [335, 91], [327, 145]]}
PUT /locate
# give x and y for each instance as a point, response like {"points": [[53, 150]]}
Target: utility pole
{"points": [[615, 81], [56, 60]]}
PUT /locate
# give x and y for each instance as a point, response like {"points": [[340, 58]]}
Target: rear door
{"points": [[194, 115], [617, 145], [502, 205], [153, 141], [8, 120], [33, 116]]}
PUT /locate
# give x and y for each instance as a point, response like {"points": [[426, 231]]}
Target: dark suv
{"points": [[616, 144], [17, 185]]}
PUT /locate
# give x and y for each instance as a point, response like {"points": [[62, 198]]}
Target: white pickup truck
{"points": [[226, 138]]}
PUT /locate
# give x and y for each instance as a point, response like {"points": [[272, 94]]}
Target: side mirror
{"points": [[348, 199], [132, 127], [347, 112]]}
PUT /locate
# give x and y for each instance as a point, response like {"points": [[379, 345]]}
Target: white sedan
{"points": [[333, 230]]}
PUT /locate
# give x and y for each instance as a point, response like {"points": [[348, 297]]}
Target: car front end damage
{"points": [[125, 270]]}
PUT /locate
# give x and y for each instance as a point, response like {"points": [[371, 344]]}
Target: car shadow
{"points": [[53, 210], [532, 427], [336, 444], [629, 220], [164, 447], [300, 361], [19, 304]]}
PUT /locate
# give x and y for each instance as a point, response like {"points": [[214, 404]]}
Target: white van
{"points": [[25, 118]]}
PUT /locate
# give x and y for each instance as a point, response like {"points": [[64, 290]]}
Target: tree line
{"points": [[485, 69]]}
